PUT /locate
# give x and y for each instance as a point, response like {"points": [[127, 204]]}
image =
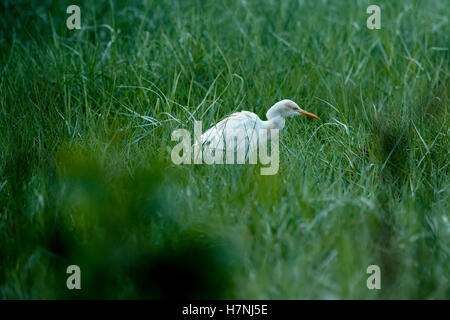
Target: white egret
{"points": [[215, 137]]}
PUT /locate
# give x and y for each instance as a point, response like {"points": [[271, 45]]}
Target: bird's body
{"points": [[215, 137], [251, 125]]}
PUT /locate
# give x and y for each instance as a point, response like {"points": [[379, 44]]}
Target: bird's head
{"points": [[287, 108]]}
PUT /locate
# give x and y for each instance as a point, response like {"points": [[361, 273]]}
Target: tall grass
{"points": [[85, 172]]}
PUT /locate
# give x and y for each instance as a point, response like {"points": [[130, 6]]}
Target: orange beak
{"points": [[309, 114]]}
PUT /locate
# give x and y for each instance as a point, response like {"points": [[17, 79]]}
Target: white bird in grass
{"points": [[246, 120]]}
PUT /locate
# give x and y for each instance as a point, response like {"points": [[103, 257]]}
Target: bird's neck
{"points": [[275, 123]]}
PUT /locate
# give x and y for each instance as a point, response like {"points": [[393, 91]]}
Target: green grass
{"points": [[86, 176]]}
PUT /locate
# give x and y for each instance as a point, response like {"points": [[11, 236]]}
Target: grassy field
{"points": [[86, 176]]}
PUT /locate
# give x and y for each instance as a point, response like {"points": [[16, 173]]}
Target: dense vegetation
{"points": [[86, 118]]}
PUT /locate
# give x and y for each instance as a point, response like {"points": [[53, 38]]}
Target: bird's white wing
{"points": [[215, 136]]}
